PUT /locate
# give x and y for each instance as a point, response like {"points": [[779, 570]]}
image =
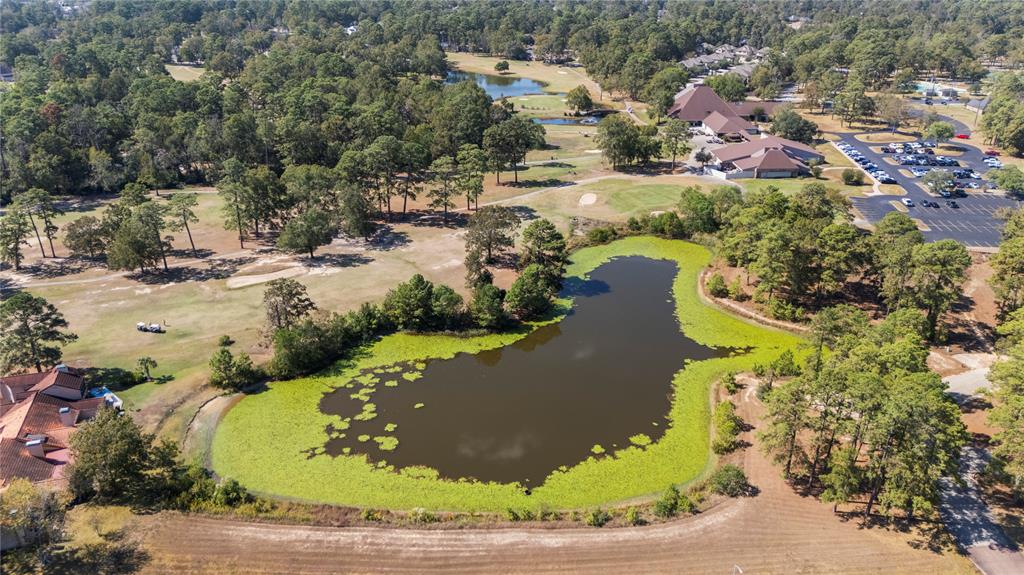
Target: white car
{"points": [[907, 202]]}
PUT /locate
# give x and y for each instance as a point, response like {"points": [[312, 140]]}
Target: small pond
{"points": [[569, 121], [498, 87], [600, 377]]}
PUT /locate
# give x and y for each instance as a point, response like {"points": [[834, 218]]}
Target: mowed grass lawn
{"points": [[265, 440], [831, 179], [184, 73], [614, 199]]}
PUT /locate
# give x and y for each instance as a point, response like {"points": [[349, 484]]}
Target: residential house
{"points": [[38, 414]]}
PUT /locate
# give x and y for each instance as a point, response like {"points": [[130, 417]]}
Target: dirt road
{"points": [[776, 531]]}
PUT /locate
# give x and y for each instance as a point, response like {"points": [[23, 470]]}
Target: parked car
{"points": [[928, 144], [952, 204], [991, 153], [907, 202], [887, 149], [945, 193], [963, 136]]}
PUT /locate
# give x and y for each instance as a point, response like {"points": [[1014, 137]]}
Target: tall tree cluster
{"points": [[802, 246], [869, 420]]}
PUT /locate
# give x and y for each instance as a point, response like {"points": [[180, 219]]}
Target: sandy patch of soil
{"points": [[254, 279], [588, 199]]}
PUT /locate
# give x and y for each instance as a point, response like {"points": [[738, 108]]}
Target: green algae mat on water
{"points": [[283, 442]]}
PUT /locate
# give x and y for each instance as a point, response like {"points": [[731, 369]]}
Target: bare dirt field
{"points": [[776, 531]]}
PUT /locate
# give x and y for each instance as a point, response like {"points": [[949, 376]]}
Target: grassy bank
{"points": [[265, 440]]}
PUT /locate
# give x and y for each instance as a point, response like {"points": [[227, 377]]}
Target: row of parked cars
{"points": [[929, 204], [870, 167]]}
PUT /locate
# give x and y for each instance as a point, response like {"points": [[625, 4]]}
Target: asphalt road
{"points": [[972, 224]]}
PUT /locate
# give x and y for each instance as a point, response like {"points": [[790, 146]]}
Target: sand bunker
{"points": [[588, 199], [245, 281]]}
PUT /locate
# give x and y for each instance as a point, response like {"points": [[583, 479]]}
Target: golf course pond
{"points": [[519, 412], [608, 401], [498, 87]]}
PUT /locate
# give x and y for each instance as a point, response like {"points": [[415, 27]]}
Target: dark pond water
{"points": [[498, 87], [600, 376]]}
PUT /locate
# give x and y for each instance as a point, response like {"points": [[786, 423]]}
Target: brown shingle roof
{"points": [[746, 149], [697, 102], [722, 124], [770, 160]]}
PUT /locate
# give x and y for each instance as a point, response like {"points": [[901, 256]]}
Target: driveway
{"points": [[972, 224], [964, 512]]}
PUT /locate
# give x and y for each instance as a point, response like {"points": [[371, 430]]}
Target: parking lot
{"points": [[972, 224], [969, 220]]}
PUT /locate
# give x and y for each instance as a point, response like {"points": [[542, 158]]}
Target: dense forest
{"points": [[302, 83]]}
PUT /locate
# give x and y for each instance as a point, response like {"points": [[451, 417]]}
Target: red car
{"points": [[991, 153], [963, 136]]}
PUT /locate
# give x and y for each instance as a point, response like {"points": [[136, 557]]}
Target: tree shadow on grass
{"points": [[187, 253], [545, 183], [385, 238], [217, 269], [50, 268], [115, 555], [438, 220], [337, 260]]}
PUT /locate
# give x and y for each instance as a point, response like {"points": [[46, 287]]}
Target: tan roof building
{"points": [[722, 125], [697, 102], [765, 157]]}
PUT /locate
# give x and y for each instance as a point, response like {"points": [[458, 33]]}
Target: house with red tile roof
{"points": [[38, 414]]}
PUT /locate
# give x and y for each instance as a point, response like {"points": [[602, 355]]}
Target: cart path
{"points": [[777, 531]]}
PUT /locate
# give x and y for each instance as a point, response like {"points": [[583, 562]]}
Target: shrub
{"points": [[783, 310], [230, 493], [668, 504], [420, 515], [634, 517], [230, 372], [853, 177], [716, 285], [601, 235], [372, 515], [736, 290], [785, 365], [729, 382], [729, 480], [727, 427], [598, 518], [225, 341], [686, 505]]}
